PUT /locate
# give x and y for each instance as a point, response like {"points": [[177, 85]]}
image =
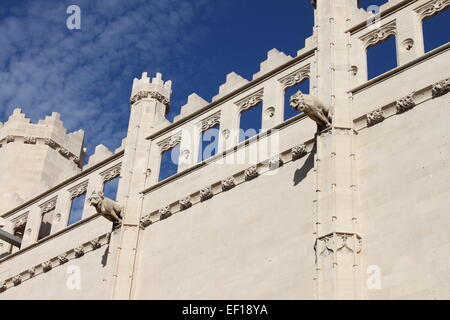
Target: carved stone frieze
{"points": [[251, 100], [48, 206], [111, 173], [151, 95], [375, 117], [431, 7], [379, 34], [51, 143], [10, 139], [338, 242], [210, 121], [440, 88], [170, 142], [295, 77], [78, 190], [29, 140]]}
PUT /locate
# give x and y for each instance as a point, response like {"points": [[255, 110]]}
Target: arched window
{"points": [[381, 57], [169, 162], [303, 86], [434, 34], [110, 188], [76, 209], [250, 122], [209, 139]]}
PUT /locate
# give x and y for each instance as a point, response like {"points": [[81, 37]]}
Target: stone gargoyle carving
{"points": [[108, 208], [313, 108]]}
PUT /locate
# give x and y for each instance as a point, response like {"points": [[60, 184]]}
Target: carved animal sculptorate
{"points": [[108, 208], [313, 108]]}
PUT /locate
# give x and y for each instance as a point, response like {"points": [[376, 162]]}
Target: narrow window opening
{"points": [[169, 163], [381, 57], [303, 87], [110, 188], [250, 123], [46, 225], [434, 34], [208, 143], [76, 209]]}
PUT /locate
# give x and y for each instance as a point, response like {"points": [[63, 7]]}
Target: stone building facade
{"points": [[355, 211]]}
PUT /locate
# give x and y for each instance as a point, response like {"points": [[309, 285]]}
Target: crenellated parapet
{"points": [[49, 132], [151, 88]]}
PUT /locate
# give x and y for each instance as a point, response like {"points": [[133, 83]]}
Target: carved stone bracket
{"points": [[295, 77], [164, 212], [31, 272], [47, 266], [185, 203], [17, 280], [299, 151], [228, 183], [151, 95], [275, 162], [95, 244], [251, 100], [170, 142], [251, 173], [338, 242], [440, 88], [145, 221], [10, 139], [62, 258], [431, 7], [379, 34], [29, 140], [78, 190], [405, 103], [111, 173], [206, 193], [79, 251], [375, 117]]}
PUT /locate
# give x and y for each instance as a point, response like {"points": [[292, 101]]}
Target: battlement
{"points": [[49, 131], [155, 88]]}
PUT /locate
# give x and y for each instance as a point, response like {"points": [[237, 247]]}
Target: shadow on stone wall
{"points": [[302, 172]]}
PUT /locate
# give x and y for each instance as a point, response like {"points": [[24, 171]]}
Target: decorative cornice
{"points": [[151, 95], [379, 34], [78, 190], [145, 221], [295, 77], [228, 183], [169, 142], [405, 103], [431, 7], [29, 140], [374, 117], [440, 88], [111, 173], [210, 121], [251, 100], [48, 205], [298, 151]]}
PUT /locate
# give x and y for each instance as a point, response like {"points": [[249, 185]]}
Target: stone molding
{"points": [[295, 77], [337, 242], [251, 100], [60, 259], [48, 205], [299, 151], [228, 183], [185, 203], [78, 190], [251, 173], [206, 193], [379, 34], [210, 121], [150, 95], [170, 142], [430, 8], [440, 88], [165, 212], [111, 173]]}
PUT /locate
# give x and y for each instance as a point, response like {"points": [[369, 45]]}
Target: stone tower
{"points": [[35, 157]]}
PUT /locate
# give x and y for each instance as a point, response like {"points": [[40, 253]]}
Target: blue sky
{"points": [[86, 74]]}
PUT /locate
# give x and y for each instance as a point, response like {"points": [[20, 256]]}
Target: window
{"points": [[169, 162], [46, 224], [303, 87], [434, 34], [250, 122], [381, 57], [110, 188], [208, 143], [76, 209]]}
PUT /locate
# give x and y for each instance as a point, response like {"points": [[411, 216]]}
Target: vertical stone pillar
{"points": [[337, 242], [149, 104]]}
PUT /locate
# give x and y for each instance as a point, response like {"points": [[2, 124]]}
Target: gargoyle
{"points": [[108, 208], [313, 108]]}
